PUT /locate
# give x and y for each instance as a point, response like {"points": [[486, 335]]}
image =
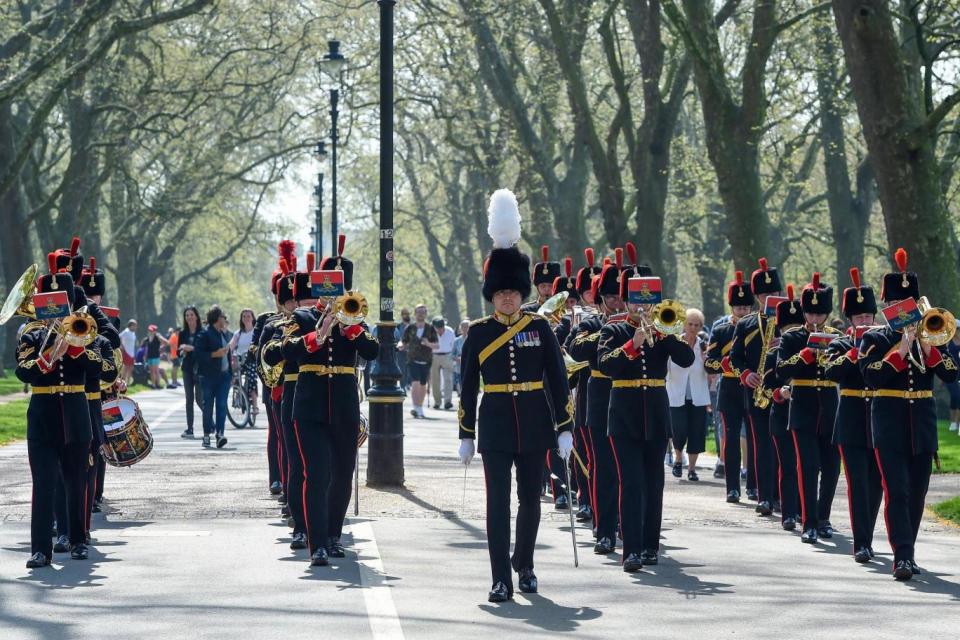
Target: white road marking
{"points": [[162, 533], [163, 416], [381, 612]]}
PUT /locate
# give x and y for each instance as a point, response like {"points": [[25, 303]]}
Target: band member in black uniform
{"points": [[900, 366], [581, 437], [635, 356], [72, 260], [326, 413], [851, 431], [544, 273], [813, 409], [751, 339], [789, 315], [273, 440], [732, 399], [58, 423], [526, 401], [603, 465]]}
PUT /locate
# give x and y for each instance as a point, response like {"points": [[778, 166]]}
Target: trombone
{"points": [[666, 317], [936, 327]]}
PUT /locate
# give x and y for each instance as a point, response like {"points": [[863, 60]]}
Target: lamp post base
{"points": [[385, 441]]}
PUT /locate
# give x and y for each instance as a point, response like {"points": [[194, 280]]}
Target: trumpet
{"points": [[936, 327], [666, 317], [78, 329], [554, 308], [349, 309]]}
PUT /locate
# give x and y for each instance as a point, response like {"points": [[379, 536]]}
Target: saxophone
{"points": [[761, 395]]}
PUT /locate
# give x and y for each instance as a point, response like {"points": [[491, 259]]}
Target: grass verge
{"points": [[949, 510], [949, 449]]}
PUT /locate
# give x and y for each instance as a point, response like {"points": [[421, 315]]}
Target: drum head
{"points": [[117, 413]]}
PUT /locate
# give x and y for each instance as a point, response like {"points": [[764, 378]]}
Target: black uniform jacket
{"points": [[643, 411], [731, 391], [583, 348], [812, 408], [55, 418], [578, 383], [519, 420], [748, 335], [104, 326], [271, 344], [908, 425], [99, 380], [780, 406], [327, 384], [852, 427]]}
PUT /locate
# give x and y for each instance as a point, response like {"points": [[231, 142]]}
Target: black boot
{"points": [[528, 581], [584, 513], [604, 546], [319, 558], [335, 549], [561, 503], [299, 541], [809, 536], [499, 593], [733, 496], [632, 563], [862, 555]]}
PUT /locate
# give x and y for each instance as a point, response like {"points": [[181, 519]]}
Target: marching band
{"points": [[570, 391]]}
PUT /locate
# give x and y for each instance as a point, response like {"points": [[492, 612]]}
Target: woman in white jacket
{"points": [[689, 392]]}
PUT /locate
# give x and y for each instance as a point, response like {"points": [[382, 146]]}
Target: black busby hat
{"points": [[739, 292], [545, 271], [816, 297], [59, 279], [585, 274], [286, 281], [506, 267], [302, 289], [339, 263], [71, 259], [568, 283], [625, 275], [902, 285], [610, 276], [92, 280], [765, 279], [858, 298], [287, 250], [788, 311]]}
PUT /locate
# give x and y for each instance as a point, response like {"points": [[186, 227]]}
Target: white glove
{"points": [[565, 444], [467, 449]]}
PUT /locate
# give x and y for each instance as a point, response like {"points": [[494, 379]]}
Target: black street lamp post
{"points": [[331, 68], [321, 153], [385, 454]]}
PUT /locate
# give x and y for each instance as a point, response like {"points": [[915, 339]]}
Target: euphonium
{"points": [[351, 308], [19, 302], [554, 308]]}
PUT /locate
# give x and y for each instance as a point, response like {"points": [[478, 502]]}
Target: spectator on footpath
{"points": [[154, 342], [128, 345], [419, 341], [457, 351], [401, 356], [689, 392], [173, 339], [191, 380], [240, 345], [441, 368], [213, 363]]}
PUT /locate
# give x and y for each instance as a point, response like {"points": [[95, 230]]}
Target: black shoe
{"points": [[870, 549], [187, 433], [809, 536], [448, 406], [763, 508], [678, 469], [733, 496], [206, 441], [284, 512], [753, 495], [604, 546], [97, 508], [719, 472], [561, 503], [335, 549], [221, 441], [862, 555], [319, 558], [528, 581], [499, 593], [902, 570], [276, 488], [299, 541], [825, 530], [649, 556], [789, 524], [584, 513], [914, 568], [79, 552], [632, 563], [692, 476], [437, 407], [62, 545], [38, 560], [281, 497]]}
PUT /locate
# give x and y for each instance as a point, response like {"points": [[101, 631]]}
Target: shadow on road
{"points": [[543, 613]]}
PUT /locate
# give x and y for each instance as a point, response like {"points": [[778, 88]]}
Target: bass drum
{"points": [[126, 436]]}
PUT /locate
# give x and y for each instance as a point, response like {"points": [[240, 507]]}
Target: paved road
{"points": [[191, 546]]}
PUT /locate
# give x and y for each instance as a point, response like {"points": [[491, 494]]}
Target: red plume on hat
{"points": [[93, 266], [763, 264], [545, 253], [341, 243], [855, 277], [619, 254], [287, 250], [631, 253], [284, 267], [568, 266], [606, 261], [900, 256], [790, 294], [311, 261], [815, 281], [588, 254], [52, 262], [739, 278], [74, 246]]}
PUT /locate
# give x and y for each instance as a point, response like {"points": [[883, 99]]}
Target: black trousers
{"points": [[688, 425], [732, 417], [192, 393], [864, 492], [96, 422], [787, 476], [273, 455], [818, 462], [292, 456], [101, 475], [581, 480], [556, 474], [323, 448], [764, 469], [606, 486], [341, 476], [906, 478], [497, 474], [640, 464], [46, 463]]}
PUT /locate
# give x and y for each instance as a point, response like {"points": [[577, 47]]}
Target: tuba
{"points": [[19, 302], [351, 308], [554, 308]]}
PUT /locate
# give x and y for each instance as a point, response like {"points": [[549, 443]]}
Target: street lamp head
{"points": [[332, 65], [321, 150]]}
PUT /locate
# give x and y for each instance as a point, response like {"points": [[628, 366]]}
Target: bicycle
{"points": [[238, 403]]}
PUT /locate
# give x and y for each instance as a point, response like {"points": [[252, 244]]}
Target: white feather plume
{"points": [[504, 219]]}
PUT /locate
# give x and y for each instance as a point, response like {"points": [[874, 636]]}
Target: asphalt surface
{"points": [[190, 545]]}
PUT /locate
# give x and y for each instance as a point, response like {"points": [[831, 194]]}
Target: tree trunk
{"points": [[900, 136], [14, 240]]}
